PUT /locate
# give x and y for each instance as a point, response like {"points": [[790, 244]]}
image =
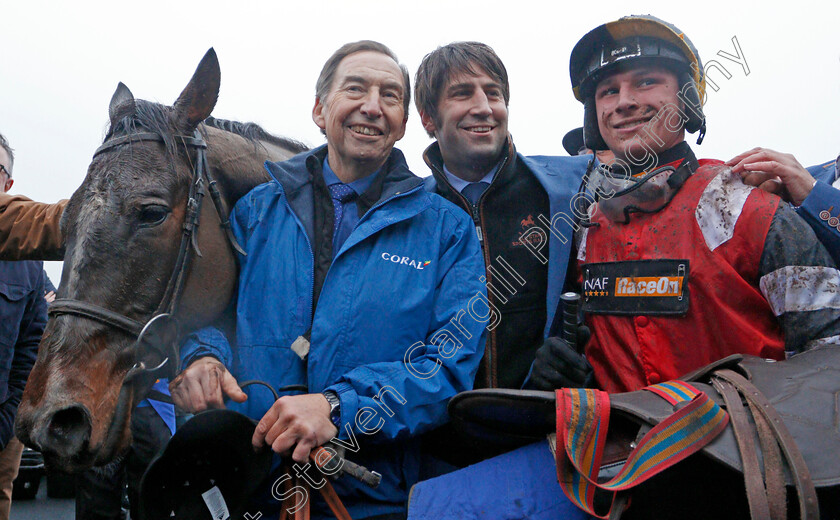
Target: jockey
{"points": [[681, 263]]}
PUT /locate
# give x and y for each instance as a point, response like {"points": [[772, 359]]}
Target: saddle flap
{"points": [[804, 390], [515, 417], [503, 417]]}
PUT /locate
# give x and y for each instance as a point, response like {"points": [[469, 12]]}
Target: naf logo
{"points": [[404, 260], [596, 287]]}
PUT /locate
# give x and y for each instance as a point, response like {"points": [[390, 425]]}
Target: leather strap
{"points": [[130, 138], [619, 506], [96, 313], [332, 499], [304, 512], [327, 491], [774, 477], [753, 480], [807, 494], [287, 485]]}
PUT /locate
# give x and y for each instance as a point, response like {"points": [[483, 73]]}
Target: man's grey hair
{"points": [[5, 145], [325, 80]]}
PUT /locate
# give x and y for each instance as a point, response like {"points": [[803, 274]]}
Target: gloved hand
{"points": [[558, 365]]}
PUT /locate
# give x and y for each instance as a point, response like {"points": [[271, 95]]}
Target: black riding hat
{"points": [[212, 450], [573, 141], [636, 39]]}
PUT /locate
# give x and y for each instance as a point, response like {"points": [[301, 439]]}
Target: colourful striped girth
{"points": [[582, 420]]}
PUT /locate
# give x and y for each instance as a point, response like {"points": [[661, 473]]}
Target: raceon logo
{"points": [[404, 260]]}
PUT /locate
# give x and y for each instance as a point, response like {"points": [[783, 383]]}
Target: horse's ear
{"points": [[199, 97], [122, 103]]}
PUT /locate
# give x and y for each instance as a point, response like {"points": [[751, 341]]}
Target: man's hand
{"points": [[558, 365], [776, 172], [299, 421], [204, 384]]}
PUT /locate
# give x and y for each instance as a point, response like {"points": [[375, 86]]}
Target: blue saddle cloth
{"points": [[519, 484]]}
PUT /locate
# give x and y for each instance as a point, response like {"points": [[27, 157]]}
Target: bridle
{"points": [[159, 335]]}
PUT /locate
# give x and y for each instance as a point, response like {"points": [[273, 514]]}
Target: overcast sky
{"points": [[60, 64]]}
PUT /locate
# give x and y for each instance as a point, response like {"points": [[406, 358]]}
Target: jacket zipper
{"points": [[490, 360], [491, 377], [311, 299], [478, 218]]}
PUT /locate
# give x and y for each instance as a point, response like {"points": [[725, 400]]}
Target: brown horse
{"points": [[123, 264]]}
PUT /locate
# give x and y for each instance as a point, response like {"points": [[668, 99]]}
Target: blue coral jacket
{"points": [[398, 328], [821, 208]]}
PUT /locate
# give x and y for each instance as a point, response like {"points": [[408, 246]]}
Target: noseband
{"points": [[159, 335]]}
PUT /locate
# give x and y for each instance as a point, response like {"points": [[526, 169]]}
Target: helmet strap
{"points": [[702, 132]]}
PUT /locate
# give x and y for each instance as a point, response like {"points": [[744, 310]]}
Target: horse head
{"points": [[134, 251]]}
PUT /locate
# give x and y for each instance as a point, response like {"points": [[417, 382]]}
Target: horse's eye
{"points": [[153, 215]]}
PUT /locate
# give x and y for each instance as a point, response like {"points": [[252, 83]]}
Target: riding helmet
{"points": [[636, 37], [207, 467]]}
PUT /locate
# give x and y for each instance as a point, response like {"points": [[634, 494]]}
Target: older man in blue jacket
{"points": [[23, 315], [357, 284]]}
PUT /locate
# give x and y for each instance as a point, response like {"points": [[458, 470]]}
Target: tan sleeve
{"points": [[29, 230]]}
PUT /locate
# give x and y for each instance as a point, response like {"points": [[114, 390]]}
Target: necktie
{"points": [[340, 194], [473, 191]]}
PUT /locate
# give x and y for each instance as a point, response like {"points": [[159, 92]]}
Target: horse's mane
{"points": [[254, 132], [154, 117]]}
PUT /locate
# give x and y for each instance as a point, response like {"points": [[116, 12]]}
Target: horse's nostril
{"points": [[70, 427]]}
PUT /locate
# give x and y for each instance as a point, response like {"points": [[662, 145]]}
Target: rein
{"points": [[159, 335]]}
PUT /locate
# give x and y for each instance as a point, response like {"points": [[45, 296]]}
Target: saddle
{"points": [[785, 442]]}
